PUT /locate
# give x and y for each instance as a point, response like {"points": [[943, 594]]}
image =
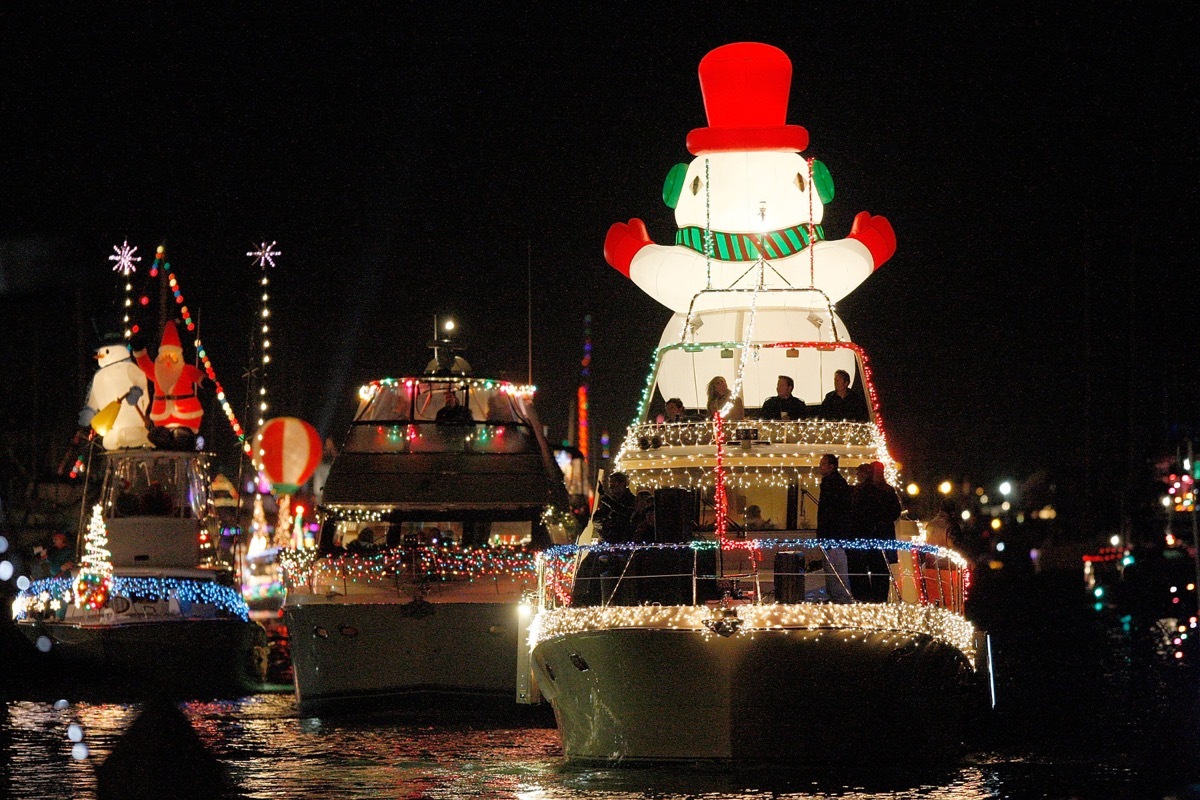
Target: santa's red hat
{"points": [[170, 337], [745, 88]]}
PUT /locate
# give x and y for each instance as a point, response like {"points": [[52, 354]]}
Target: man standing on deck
{"points": [[833, 522]]}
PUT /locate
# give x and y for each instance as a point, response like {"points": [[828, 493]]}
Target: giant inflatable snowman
{"points": [[116, 377], [749, 188]]}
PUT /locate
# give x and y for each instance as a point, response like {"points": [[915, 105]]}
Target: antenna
{"points": [[529, 306]]}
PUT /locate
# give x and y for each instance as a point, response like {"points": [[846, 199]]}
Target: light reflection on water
{"points": [[1087, 711], [273, 754]]}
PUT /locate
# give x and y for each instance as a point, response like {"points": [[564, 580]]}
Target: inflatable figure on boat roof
{"points": [[749, 183], [118, 379]]}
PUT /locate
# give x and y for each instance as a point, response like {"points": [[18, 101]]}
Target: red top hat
{"points": [[745, 88]]}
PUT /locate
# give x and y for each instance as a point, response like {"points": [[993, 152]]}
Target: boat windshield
{"points": [[156, 485], [813, 371], [442, 414]]}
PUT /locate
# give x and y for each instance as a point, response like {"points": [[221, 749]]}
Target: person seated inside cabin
{"points": [[755, 521], [843, 403], [156, 502], [784, 405], [451, 412], [127, 504], [674, 410], [719, 395], [364, 544]]}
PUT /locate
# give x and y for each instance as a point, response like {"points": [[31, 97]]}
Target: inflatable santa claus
{"points": [[176, 411]]}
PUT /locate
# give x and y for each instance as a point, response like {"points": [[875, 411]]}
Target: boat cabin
{"points": [[446, 458], [159, 511]]}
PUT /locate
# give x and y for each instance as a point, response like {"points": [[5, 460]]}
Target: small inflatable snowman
{"points": [[750, 192], [118, 379]]}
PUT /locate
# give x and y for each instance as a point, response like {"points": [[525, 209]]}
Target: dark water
{"points": [[1092, 705]]}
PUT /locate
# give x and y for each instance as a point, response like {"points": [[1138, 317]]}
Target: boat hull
{"points": [[796, 697], [352, 656], [181, 656]]}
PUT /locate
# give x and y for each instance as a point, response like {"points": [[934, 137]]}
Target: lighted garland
{"points": [[369, 390], [42, 594], [424, 563], [161, 264], [903, 619]]}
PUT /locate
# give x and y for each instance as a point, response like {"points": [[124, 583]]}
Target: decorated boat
{"points": [[440, 497], [153, 595], [733, 625]]}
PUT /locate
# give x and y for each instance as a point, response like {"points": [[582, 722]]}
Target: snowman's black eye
{"points": [[799, 181], [696, 185]]}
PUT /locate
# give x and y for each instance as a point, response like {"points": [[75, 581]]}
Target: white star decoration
{"points": [[264, 255], [125, 258]]}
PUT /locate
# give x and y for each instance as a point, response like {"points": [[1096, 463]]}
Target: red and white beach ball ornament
{"points": [[289, 450]]}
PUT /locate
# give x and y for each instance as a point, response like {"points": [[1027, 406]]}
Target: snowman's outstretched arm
{"points": [[876, 234], [622, 243]]}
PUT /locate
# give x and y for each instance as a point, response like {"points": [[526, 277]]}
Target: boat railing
{"points": [[749, 433], [440, 437], [757, 571], [419, 564]]}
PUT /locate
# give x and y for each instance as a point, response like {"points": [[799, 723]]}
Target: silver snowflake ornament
{"points": [[264, 255], [124, 256]]}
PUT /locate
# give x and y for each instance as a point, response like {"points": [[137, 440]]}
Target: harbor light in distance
{"points": [[1005, 488], [945, 487], [912, 489]]}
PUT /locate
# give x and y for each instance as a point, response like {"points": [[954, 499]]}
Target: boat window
{"points": [[684, 373], [366, 538], [154, 486]]}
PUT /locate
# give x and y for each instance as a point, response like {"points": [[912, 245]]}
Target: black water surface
{"points": [[1091, 705]]}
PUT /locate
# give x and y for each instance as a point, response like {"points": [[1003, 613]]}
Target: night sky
{"points": [[1038, 166]]}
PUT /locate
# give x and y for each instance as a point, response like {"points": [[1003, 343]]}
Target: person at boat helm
{"points": [[451, 411], [843, 402], [614, 513], [784, 405]]}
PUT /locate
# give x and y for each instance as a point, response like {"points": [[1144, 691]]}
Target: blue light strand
{"points": [[185, 590]]}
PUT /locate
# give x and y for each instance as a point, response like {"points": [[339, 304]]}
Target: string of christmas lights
{"points": [[423, 563], [126, 266], [899, 619], [53, 595], [161, 264]]}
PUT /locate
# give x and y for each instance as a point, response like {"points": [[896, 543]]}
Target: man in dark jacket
{"points": [[784, 405], [871, 517], [833, 522]]}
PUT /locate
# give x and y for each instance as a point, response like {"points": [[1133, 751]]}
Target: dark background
{"points": [[1038, 166]]}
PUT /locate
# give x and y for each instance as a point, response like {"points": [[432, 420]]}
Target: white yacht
{"points": [[707, 640], [167, 611], [432, 514]]}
